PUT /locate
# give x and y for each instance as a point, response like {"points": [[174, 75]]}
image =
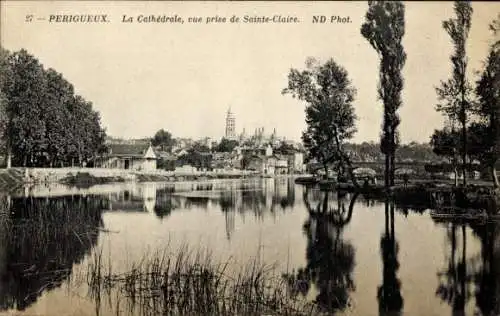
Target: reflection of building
{"points": [[137, 199], [230, 125], [129, 156], [297, 163]]}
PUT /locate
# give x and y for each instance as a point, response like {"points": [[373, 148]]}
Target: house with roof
{"points": [[280, 164], [139, 157]]}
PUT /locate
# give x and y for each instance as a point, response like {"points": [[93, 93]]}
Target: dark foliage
{"points": [[45, 123]]}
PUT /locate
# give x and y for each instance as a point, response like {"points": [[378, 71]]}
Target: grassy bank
{"points": [[190, 283], [86, 179]]}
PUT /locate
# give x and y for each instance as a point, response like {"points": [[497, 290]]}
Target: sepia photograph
{"points": [[249, 158]]}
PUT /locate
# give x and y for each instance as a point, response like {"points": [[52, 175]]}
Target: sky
{"points": [[183, 78]]}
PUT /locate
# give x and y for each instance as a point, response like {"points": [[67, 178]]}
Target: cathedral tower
{"points": [[230, 125]]}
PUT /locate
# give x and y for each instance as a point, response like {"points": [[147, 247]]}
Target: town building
{"points": [[140, 157]]}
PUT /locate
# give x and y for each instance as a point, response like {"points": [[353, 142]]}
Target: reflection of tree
{"points": [[481, 272], [227, 201], [330, 259], [253, 200], [454, 282], [195, 201], [284, 193], [389, 293], [45, 237], [165, 202], [402, 204], [487, 278]]}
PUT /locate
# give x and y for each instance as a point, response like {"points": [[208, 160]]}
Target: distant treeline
{"points": [[368, 152], [43, 122]]}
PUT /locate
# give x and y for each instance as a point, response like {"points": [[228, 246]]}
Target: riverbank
{"points": [[89, 176], [431, 194]]}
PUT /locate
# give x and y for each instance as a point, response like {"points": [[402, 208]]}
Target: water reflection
{"points": [[134, 199], [454, 286], [467, 277], [487, 278], [41, 241], [165, 202], [42, 238], [330, 259], [389, 292], [258, 197]]}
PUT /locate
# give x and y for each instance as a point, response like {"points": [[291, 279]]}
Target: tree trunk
{"points": [[464, 138], [387, 172], [391, 209], [494, 176], [350, 169], [344, 160], [392, 168], [463, 273], [386, 216], [455, 171], [9, 157], [325, 203], [325, 166]]}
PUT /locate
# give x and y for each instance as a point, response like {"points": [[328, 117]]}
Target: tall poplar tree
{"points": [[488, 90], [384, 28], [457, 90]]}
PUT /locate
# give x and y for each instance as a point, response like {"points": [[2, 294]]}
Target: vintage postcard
{"points": [[249, 158]]}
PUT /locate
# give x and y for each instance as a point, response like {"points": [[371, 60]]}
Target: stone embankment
{"points": [[87, 176]]}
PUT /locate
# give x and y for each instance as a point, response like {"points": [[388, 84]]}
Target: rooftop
{"points": [[128, 150]]}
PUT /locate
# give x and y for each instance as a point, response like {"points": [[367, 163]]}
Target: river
{"points": [[365, 258]]}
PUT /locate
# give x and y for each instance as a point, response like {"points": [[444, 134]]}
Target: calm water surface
{"points": [[364, 258]]}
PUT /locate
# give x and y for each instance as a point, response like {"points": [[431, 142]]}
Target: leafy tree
{"points": [[43, 123], [226, 145], [245, 161], [24, 91], [488, 90], [445, 143], [455, 93], [330, 116], [384, 28], [196, 159], [55, 113], [88, 136], [284, 148], [163, 139], [199, 147], [4, 74]]}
